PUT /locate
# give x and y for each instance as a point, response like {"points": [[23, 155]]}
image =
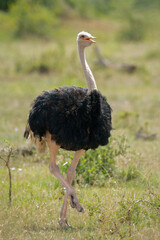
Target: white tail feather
{"points": [[40, 144]]}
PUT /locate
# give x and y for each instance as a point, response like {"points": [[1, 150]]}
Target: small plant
{"points": [[6, 158]]}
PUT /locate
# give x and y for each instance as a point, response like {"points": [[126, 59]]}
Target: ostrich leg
{"points": [[70, 176], [54, 169]]}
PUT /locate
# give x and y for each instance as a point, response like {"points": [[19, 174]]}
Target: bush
{"points": [[97, 165], [8, 26], [134, 29], [5, 4], [32, 19]]}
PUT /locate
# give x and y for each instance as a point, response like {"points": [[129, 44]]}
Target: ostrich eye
{"points": [[82, 36]]}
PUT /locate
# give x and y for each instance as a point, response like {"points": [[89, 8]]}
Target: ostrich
{"points": [[72, 118]]}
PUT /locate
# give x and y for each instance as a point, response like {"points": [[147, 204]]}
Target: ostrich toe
{"points": [[63, 223]]}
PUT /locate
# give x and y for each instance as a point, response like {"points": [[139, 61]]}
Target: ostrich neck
{"points": [[87, 71]]}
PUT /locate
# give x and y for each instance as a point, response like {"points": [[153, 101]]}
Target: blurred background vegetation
{"points": [[24, 18]]}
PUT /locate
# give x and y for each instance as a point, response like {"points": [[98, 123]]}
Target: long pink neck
{"points": [[87, 71]]}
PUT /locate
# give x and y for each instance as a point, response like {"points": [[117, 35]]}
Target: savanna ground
{"points": [[125, 204]]}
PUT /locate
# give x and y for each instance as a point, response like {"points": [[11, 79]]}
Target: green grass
{"points": [[126, 210], [127, 206]]}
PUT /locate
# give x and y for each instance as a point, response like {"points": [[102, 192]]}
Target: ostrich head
{"points": [[85, 39]]}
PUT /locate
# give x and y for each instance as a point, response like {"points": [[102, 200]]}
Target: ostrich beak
{"points": [[90, 39]]}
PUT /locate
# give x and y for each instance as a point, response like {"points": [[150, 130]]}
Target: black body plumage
{"points": [[74, 118]]}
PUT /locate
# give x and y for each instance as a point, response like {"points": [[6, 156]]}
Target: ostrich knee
{"points": [[54, 169]]}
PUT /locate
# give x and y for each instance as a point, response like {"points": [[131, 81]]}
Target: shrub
{"points": [[8, 25], [134, 28], [5, 4], [97, 165], [32, 19]]}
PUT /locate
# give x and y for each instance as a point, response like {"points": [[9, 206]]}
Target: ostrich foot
{"points": [[63, 223], [74, 202]]}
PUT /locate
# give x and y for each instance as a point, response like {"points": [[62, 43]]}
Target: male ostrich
{"points": [[72, 118]]}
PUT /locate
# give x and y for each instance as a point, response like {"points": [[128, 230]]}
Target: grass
{"points": [[127, 206]]}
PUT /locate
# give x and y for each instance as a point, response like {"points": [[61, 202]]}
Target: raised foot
{"points": [[74, 202], [63, 223]]}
